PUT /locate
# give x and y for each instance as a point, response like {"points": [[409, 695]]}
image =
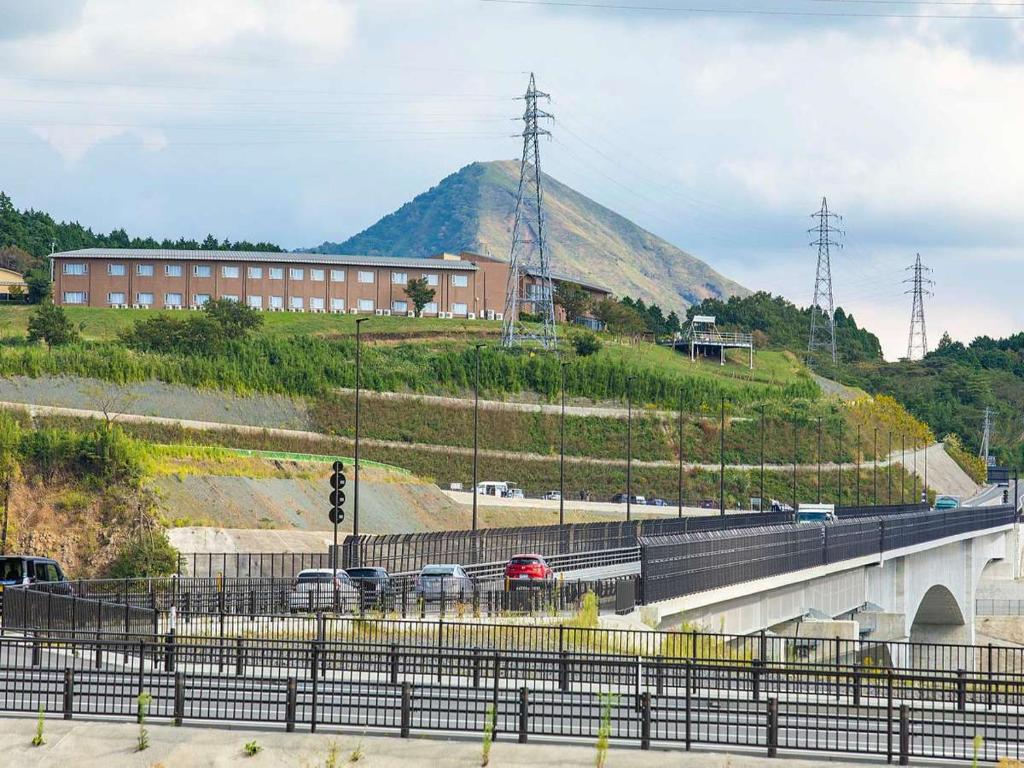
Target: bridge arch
{"points": [[940, 618]]}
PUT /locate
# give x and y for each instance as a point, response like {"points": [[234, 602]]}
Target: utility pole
{"points": [[529, 275], [823, 317], [917, 343]]}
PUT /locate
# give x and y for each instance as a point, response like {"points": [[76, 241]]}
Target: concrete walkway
{"points": [[100, 744]]}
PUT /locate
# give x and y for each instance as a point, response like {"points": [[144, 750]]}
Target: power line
{"points": [[751, 11]]}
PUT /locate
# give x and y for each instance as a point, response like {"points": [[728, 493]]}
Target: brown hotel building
{"points": [[466, 285]]}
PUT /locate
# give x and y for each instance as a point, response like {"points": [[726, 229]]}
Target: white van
{"points": [[816, 513], [492, 488]]}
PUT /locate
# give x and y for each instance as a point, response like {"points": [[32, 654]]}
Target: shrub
{"points": [[586, 344], [148, 554]]}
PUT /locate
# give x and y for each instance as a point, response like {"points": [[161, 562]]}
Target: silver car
{"points": [[316, 590], [451, 581]]}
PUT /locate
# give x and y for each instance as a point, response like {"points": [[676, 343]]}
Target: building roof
{"points": [[563, 277], [10, 277], [263, 256]]}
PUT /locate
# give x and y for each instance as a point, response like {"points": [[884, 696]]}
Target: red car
{"points": [[530, 570]]}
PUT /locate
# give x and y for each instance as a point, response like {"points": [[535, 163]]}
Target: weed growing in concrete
{"points": [[333, 756], [142, 706], [604, 732], [490, 720], [357, 753], [38, 740], [252, 748], [977, 743]]}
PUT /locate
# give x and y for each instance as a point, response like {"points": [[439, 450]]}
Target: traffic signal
{"points": [[337, 497]]}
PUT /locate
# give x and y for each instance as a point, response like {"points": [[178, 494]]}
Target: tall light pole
{"points": [[796, 438], [561, 455], [888, 470], [721, 461], [874, 474], [917, 495], [476, 427], [860, 450], [903, 468], [680, 453], [629, 447], [761, 491], [819, 459], [839, 464], [359, 371]]}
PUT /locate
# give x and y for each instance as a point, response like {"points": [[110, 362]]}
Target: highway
{"points": [[992, 494]]}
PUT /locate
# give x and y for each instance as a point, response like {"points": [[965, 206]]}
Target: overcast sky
{"points": [[299, 121]]}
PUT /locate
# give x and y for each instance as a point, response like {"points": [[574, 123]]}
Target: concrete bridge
{"points": [[924, 592]]}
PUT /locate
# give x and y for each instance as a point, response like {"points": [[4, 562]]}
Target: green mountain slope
{"points": [[473, 209]]}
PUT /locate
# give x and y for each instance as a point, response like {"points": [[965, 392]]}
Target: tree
{"points": [[620, 317], [573, 300], [586, 344], [147, 555], [39, 285], [10, 443], [236, 319], [16, 294], [419, 293], [48, 323]]}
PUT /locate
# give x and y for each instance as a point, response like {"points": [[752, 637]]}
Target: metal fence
{"points": [[896, 714], [683, 564], [58, 610], [251, 564]]}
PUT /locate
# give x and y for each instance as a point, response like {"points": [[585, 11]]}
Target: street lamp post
{"points": [[917, 495], [761, 490], [629, 447], [796, 439], [721, 461], [819, 459], [839, 465], [561, 455], [874, 474], [359, 374], [476, 428], [860, 450], [888, 470], [903, 468], [680, 490]]}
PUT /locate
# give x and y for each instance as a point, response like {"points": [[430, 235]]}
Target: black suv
{"points": [[376, 588]]}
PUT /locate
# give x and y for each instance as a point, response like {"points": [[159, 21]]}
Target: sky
{"points": [[719, 128]]}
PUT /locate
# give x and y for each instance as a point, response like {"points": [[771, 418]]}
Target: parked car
{"points": [[528, 570], [656, 502], [29, 569], [552, 496], [620, 498], [447, 580], [317, 589], [947, 502], [375, 586], [708, 503]]}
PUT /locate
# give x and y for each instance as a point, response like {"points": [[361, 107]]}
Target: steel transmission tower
{"points": [[986, 436], [529, 275], [919, 282], [823, 316]]}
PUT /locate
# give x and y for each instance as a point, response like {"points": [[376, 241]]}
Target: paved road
{"points": [[992, 495]]}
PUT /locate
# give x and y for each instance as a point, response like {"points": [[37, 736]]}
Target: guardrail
{"points": [[683, 564], [896, 714]]}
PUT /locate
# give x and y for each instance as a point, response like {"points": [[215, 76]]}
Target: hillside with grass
{"points": [[473, 209]]}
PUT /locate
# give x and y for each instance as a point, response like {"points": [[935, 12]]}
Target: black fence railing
{"points": [[684, 564], [250, 564], [55, 609], [844, 708]]}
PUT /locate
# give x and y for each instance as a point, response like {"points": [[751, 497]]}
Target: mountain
{"points": [[473, 210]]}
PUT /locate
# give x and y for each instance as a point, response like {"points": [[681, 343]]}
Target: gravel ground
{"points": [[155, 398]]}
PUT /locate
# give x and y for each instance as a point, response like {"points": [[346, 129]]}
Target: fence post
{"points": [[179, 697], [888, 715], [406, 709], [524, 704], [756, 665], [291, 701], [563, 669], [856, 684], [169, 652], [645, 720], [904, 734], [773, 727], [394, 663], [476, 667], [314, 672], [961, 690], [659, 677], [689, 703], [440, 638], [69, 692], [494, 697], [239, 657], [988, 688], [839, 668], [37, 651]]}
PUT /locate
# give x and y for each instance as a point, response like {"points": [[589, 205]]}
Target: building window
{"points": [[256, 302], [295, 273], [295, 302], [316, 275], [172, 270], [316, 304], [276, 302], [337, 305], [337, 275], [116, 270], [202, 270], [365, 276], [256, 273], [460, 281], [200, 299], [366, 305], [400, 307], [144, 270], [230, 272], [144, 299], [76, 269], [276, 273], [431, 279], [116, 297], [399, 278], [172, 299], [430, 308], [76, 297], [459, 309], [230, 297]]}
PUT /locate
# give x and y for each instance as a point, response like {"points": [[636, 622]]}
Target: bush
{"points": [[586, 344], [149, 554]]}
